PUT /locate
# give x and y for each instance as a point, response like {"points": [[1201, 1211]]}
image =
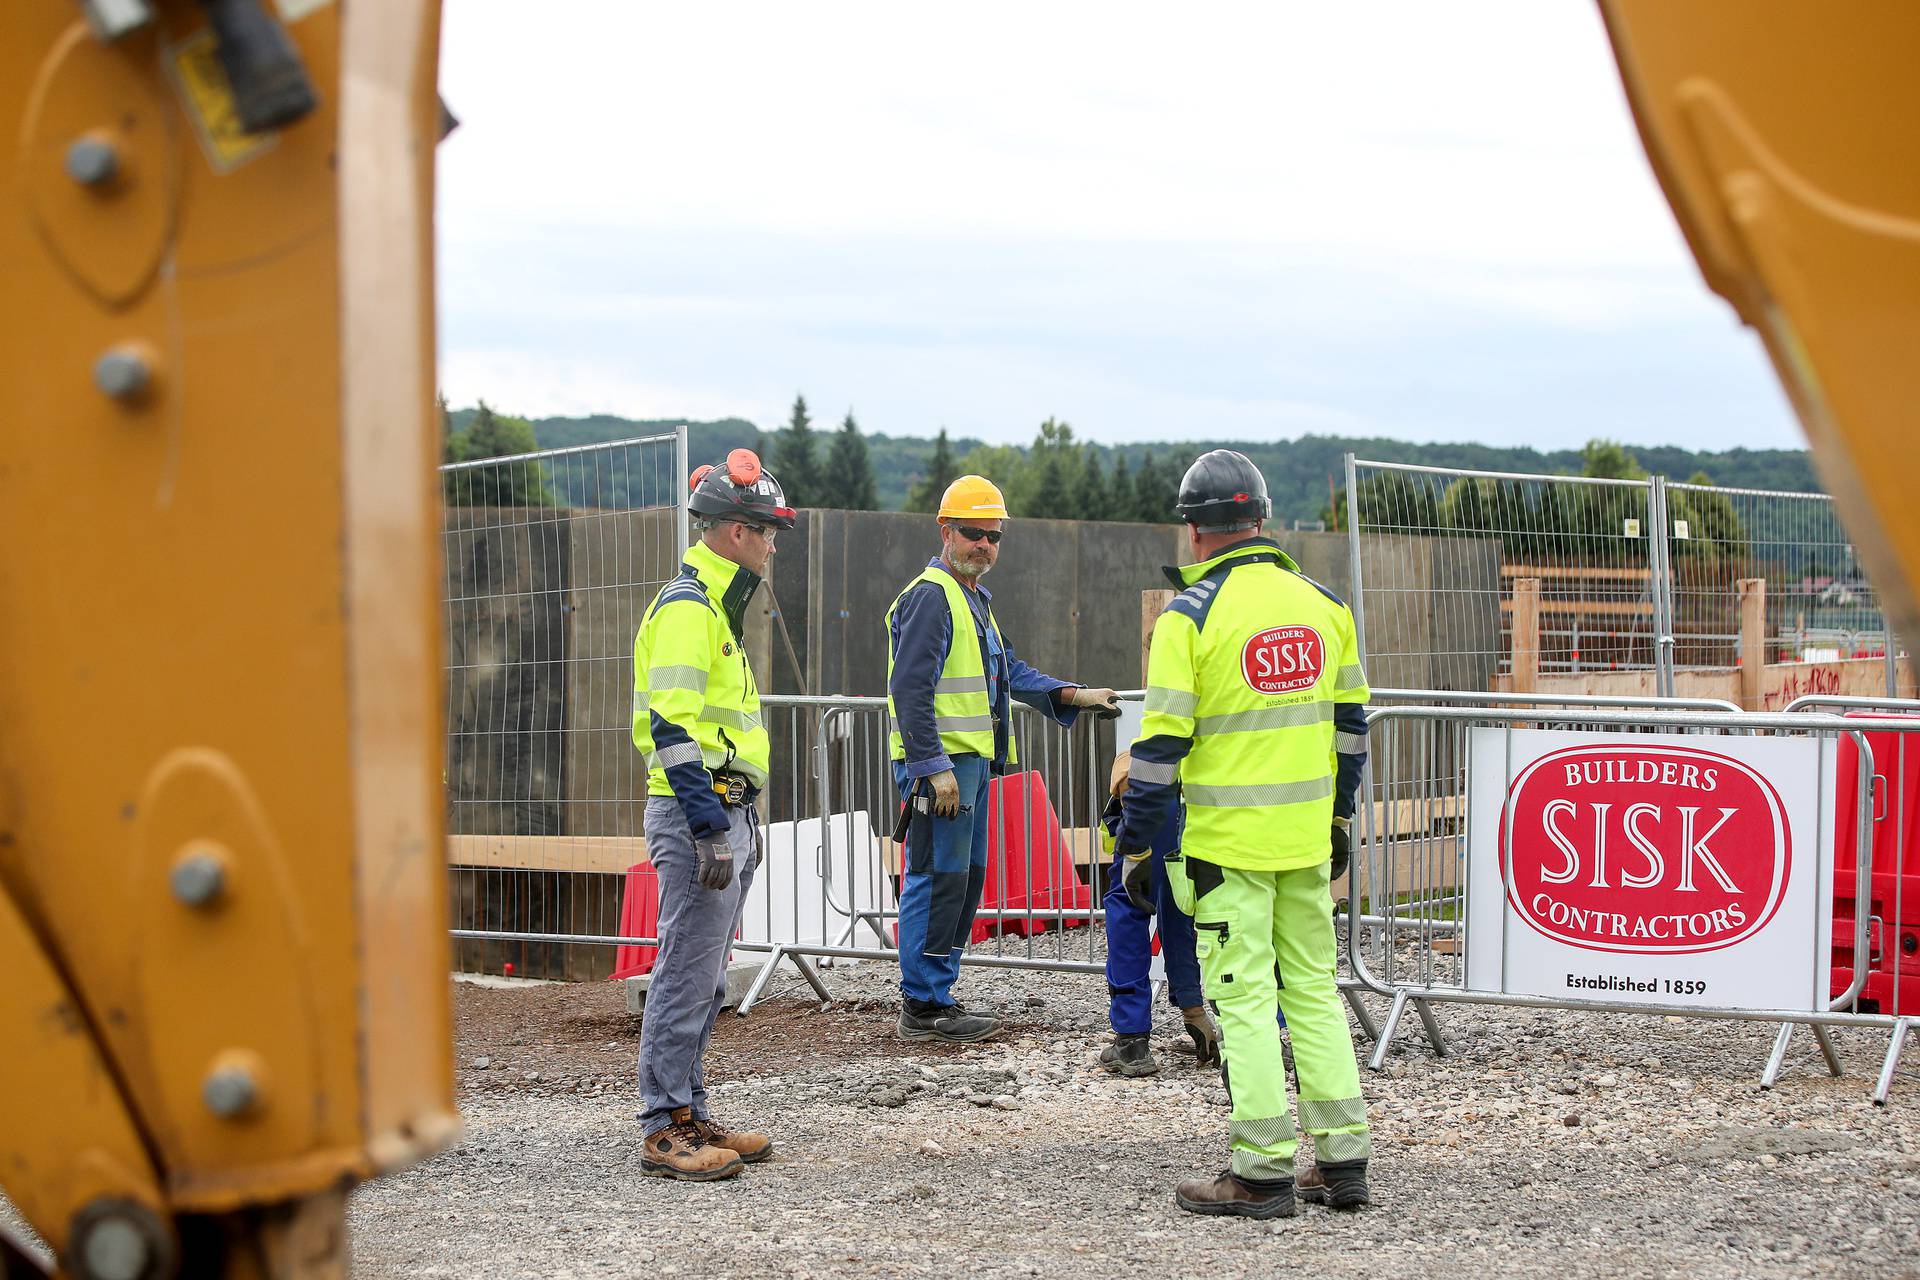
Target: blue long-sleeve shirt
{"points": [[920, 633]]}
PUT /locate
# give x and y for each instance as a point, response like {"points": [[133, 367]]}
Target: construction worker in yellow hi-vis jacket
{"points": [[1255, 720]]}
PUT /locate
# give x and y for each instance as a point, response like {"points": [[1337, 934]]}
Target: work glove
{"points": [[1117, 780], [946, 794], [1136, 876], [1104, 703], [716, 861], [1342, 847]]}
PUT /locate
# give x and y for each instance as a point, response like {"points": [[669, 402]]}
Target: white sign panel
{"points": [[1689, 869]]}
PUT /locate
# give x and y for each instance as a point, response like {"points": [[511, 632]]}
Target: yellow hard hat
{"points": [[972, 497]]}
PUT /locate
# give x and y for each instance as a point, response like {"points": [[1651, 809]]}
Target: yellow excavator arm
{"points": [[1784, 134], [222, 898]]}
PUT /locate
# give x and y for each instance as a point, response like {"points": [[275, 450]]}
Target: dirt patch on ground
{"points": [[579, 1037]]}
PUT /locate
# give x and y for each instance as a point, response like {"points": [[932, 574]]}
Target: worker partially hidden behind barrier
{"points": [[696, 721], [1255, 719], [1130, 933], [951, 678]]}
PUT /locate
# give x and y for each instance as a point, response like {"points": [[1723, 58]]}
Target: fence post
{"points": [[1153, 603], [680, 473], [1526, 634], [1661, 585], [1753, 640], [1353, 563]]}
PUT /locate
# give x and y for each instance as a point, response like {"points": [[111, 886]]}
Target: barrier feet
{"points": [[760, 981], [1431, 1025], [1368, 1027], [807, 970], [1825, 1036], [1885, 1084], [762, 978], [1778, 1057], [1384, 1040]]}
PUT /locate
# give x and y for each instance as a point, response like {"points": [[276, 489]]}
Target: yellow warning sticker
{"points": [[203, 86]]}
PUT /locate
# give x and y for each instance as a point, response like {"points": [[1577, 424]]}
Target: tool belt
{"points": [[733, 788]]}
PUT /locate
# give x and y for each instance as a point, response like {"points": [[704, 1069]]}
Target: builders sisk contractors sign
{"points": [[1650, 868]]}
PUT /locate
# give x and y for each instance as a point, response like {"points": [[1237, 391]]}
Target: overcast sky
{"points": [[1157, 222]]}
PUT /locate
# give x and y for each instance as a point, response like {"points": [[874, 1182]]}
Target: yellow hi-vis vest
{"points": [[962, 715], [1248, 663], [690, 668]]}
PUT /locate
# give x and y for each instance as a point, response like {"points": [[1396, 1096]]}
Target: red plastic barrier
{"points": [[1021, 817], [1893, 897], [639, 917]]}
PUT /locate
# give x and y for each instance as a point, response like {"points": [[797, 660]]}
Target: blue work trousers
{"points": [[1130, 945], [946, 872]]}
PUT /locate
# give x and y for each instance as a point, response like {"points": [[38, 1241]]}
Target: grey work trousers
{"points": [[689, 982]]}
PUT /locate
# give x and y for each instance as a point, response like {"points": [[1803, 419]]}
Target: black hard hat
{"points": [[1223, 492], [739, 489]]}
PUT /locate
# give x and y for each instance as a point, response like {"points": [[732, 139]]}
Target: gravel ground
{"points": [[1594, 1146]]}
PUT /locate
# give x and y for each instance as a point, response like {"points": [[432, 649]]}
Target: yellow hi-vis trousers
{"points": [[1262, 937]]}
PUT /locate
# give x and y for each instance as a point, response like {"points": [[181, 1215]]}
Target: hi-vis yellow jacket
{"points": [[1255, 714], [962, 712], [696, 707]]}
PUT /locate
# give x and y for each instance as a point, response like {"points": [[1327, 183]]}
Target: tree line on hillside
{"points": [[1057, 478], [1057, 472]]}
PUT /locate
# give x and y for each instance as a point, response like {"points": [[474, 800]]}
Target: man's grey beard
{"points": [[967, 568]]}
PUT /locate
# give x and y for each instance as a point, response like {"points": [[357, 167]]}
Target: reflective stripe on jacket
{"points": [[696, 707], [1255, 714]]}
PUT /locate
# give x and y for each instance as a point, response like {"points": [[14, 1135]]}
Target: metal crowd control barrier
{"points": [[1863, 899], [1034, 897], [1398, 959], [1385, 806]]}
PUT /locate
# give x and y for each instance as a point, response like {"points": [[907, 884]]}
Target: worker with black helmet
{"points": [[696, 721], [1255, 718]]}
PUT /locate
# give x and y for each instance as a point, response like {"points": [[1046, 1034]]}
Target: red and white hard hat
{"points": [[739, 489]]}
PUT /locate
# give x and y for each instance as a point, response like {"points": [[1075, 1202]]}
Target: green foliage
{"points": [[1297, 471], [846, 482], [494, 435], [793, 463], [1156, 488], [941, 471], [1091, 499]]}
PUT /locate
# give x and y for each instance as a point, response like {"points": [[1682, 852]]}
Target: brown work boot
{"points": [[681, 1151], [1338, 1186], [750, 1147], [1226, 1194]]}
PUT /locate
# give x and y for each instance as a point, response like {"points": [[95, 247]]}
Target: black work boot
{"points": [[1130, 1056], [950, 1023], [1227, 1194], [1338, 1186]]}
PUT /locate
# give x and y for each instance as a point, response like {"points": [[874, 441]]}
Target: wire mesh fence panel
{"points": [[551, 559], [1442, 559], [1820, 607]]}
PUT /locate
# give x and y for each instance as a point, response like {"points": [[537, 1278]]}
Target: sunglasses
{"points": [[971, 534]]}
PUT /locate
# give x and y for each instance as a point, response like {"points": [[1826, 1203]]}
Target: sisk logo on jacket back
{"points": [[1283, 659]]}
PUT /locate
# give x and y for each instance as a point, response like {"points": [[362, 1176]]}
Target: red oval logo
{"points": [[1283, 659], [1653, 850]]}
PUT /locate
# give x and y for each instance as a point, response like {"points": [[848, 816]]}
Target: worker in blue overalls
{"points": [[1130, 933], [951, 679]]}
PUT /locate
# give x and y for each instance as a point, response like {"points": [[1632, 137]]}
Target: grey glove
{"points": [[1342, 848], [716, 861], [1136, 876]]}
